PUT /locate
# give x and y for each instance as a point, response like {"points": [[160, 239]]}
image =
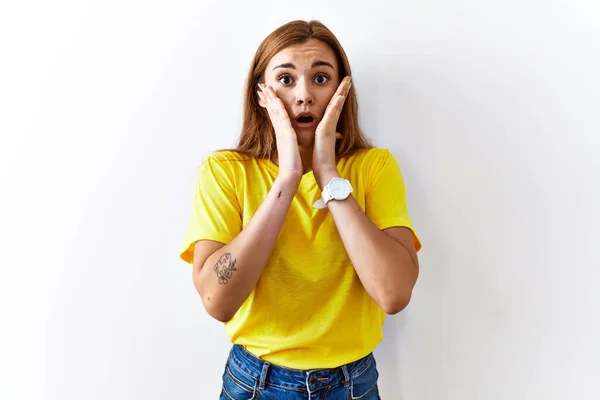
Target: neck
{"points": [[306, 154]]}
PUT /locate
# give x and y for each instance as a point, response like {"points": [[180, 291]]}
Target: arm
{"points": [[224, 275], [385, 261]]}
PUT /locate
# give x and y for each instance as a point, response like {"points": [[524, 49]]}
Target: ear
{"points": [[261, 102]]}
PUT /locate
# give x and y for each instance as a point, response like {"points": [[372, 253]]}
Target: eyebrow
{"points": [[314, 65]]}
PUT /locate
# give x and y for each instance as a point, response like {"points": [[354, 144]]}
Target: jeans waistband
{"points": [[266, 373]]}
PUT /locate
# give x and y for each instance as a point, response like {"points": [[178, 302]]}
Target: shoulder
{"points": [[372, 166], [232, 165], [227, 157], [227, 160], [377, 154], [370, 154], [222, 164], [370, 160]]}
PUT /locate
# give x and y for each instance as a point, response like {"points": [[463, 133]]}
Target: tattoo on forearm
{"points": [[279, 195], [225, 267]]}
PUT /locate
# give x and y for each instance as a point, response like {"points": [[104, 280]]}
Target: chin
{"points": [[306, 138]]}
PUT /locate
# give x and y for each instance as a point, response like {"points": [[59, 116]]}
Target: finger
{"points": [[282, 112], [261, 96], [276, 109], [339, 106], [339, 97], [270, 93], [272, 106], [334, 109], [330, 112], [280, 107], [266, 94], [344, 87], [348, 86], [274, 101]]}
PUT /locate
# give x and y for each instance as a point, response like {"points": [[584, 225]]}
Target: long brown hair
{"points": [[257, 138]]}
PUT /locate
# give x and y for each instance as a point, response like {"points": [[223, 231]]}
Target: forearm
{"points": [[229, 275], [385, 267]]}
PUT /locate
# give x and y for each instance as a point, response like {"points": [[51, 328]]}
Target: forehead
{"points": [[304, 54]]}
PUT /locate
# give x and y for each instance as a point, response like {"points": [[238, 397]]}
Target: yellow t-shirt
{"points": [[309, 308]]}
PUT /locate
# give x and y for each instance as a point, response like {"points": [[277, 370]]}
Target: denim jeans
{"points": [[247, 377]]}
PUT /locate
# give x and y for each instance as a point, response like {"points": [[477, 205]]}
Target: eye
{"points": [[285, 79], [321, 79]]}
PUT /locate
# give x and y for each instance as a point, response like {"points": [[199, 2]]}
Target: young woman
{"points": [[300, 238]]}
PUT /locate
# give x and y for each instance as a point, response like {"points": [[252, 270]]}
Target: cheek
{"points": [[322, 102], [286, 97], [328, 95], [332, 90]]}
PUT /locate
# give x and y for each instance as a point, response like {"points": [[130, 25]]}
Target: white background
{"points": [[108, 108]]}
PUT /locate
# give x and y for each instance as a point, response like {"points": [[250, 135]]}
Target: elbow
{"points": [[211, 303], [394, 304], [217, 311], [220, 316], [395, 298]]}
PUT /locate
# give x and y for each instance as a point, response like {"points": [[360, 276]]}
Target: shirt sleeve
{"points": [[216, 214], [385, 202]]}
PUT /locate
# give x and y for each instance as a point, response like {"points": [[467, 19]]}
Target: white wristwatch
{"points": [[336, 189]]}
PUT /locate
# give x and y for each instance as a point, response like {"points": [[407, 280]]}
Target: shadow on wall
{"points": [[386, 356], [400, 345]]}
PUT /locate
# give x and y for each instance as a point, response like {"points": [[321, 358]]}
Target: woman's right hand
{"points": [[288, 153]]}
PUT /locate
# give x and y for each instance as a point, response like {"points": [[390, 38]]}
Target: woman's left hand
{"points": [[323, 162]]}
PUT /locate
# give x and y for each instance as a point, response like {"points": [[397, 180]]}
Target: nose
{"points": [[309, 101], [304, 94]]}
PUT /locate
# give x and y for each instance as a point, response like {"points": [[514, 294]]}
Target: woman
{"points": [[300, 238]]}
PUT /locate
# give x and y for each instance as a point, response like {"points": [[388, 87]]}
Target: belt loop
{"points": [[346, 375], [263, 375]]}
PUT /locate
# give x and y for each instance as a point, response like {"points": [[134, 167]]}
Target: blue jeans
{"points": [[247, 377]]}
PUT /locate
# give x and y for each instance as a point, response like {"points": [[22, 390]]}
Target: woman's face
{"points": [[305, 77]]}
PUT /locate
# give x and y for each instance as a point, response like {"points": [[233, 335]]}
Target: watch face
{"points": [[339, 189]]}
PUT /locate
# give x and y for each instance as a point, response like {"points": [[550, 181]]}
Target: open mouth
{"points": [[305, 120]]}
